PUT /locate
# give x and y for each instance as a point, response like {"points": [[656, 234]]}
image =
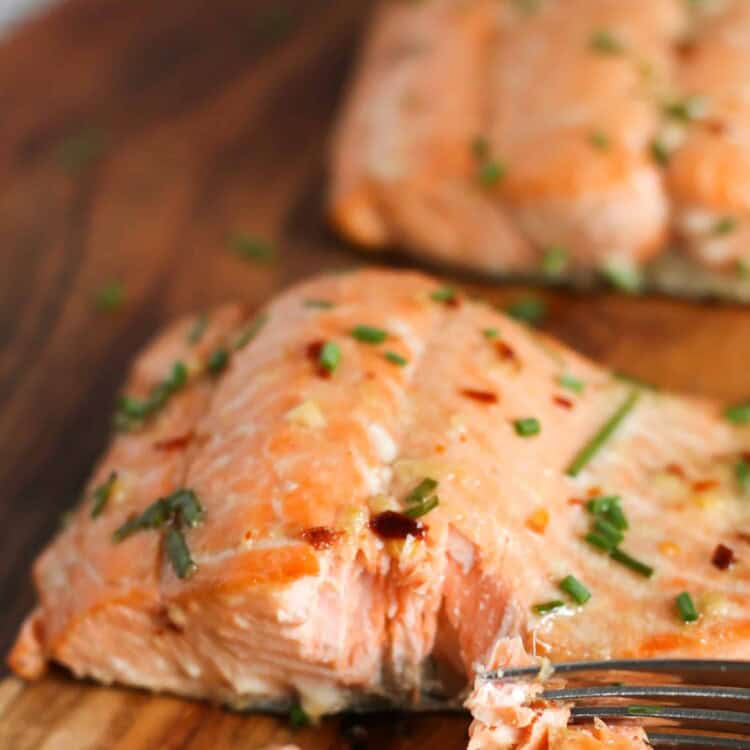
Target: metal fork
{"points": [[684, 703]]}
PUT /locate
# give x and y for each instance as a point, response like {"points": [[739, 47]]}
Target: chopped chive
{"points": [[634, 380], [599, 139], [546, 607], [154, 516], [623, 276], [444, 294], [490, 172], [595, 444], [101, 494], [197, 329], [396, 359], [250, 331], [369, 334], [596, 540], [571, 383], [528, 310], [490, 333], [298, 718], [320, 304], [616, 517], [426, 487], [217, 360], [424, 507], [602, 504], [608, 531], [178, 553], [185, 505], [249, 247], [330, 356], [725, 225], [630, 562], [577, 591], [686, 607], [738, 413], [742, 474], [604, 42], [527, 426], [110, 297], [688, 108], [660, 151], [554, 260]]}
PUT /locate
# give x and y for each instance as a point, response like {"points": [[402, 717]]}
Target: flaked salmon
{"points": [[374, 485], [552, 137]]}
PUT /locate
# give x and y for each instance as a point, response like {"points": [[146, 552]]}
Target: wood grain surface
{"points": [[137, 137]]}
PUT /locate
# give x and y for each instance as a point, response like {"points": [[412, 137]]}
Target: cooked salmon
{"points": [[374, 485], [550, 136]]}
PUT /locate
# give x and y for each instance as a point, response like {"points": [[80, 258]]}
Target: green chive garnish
{"points": [[687, 109], [369, 334], [490, 333], [527, 427], [554, 260], [725, 225], [178, 553], [396, 359], [738, 413], [249, 247], [596, 540], [217, 360], [571, 383], [577, 591], [297, 717], [602, 504], [110, 297], [608, 531], [320, 304], [101, 494], [250, 331], [528, 310], [600, 438], [660, 151], [630, 562], [490, 173], [417, 511], [426, 487], [330, 356], [616, 517], [444, 294], [185, 504], [623, 276], [604, 42], [742, 474], [600, 140], [686, 608], [181, 507], [547, 607], [197, 329]]}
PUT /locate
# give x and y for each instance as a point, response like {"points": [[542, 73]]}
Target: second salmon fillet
{"points": [[375, 484]]}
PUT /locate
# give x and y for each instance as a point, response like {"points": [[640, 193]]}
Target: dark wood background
{"points": [[135, 138]]}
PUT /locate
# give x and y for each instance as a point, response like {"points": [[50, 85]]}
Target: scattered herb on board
{"points": [[599, 140], [320, 304], [546, 607], [330, 356], [102, 493], [131, 412], [396, 359], [725, 225], [252, 248], [571, 383], [575, 589], [606, 431], [195, 334], [81, 150], [527, 427], [249, 332], [298, 718], [217, 360], [686, 607], [738, 413], [110, 297], [528, 310], [369, 334], [554, 260], [605, 42]]}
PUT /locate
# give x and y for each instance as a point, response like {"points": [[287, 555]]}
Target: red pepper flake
{"points": [[507, 353], [576, 501], [486, 397], [566, 403], [676, 470], [745, 456], [392, 525], [321, 537], [702, 485], [723, 557], [716, 127], [594, 491], [176, 443], [743, 536], [686, 48], [314, 348]]}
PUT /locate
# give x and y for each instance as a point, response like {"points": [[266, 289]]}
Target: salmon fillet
{"points": [[376, 484], [551, 137]]}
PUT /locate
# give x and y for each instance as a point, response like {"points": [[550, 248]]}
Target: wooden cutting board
{"points": [[135, 138]]}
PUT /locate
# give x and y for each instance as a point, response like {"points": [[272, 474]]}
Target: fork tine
{"points": [[717, 720], [737, 699], [696, 741]]}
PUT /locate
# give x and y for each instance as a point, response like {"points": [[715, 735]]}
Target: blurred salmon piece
{"points": [[369, 489]]}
